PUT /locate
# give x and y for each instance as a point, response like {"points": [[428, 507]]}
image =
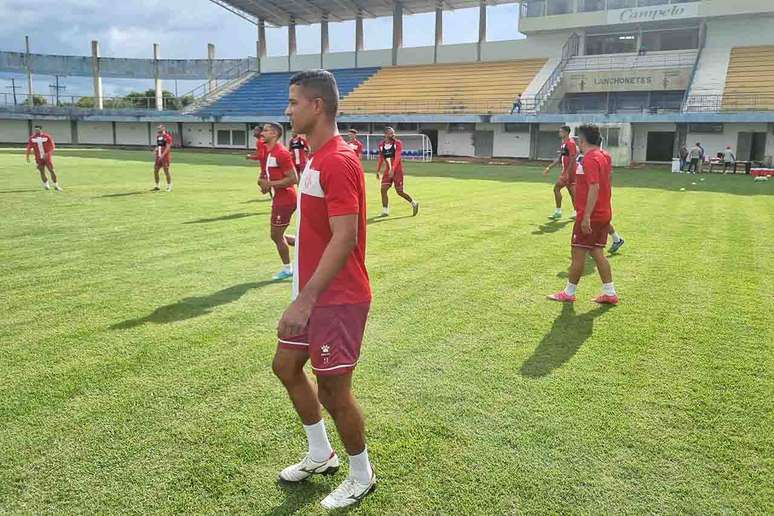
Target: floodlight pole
{"points": [[29, 70], [261, 43], [481, 29], [157, 80], [438, 31], [291, 42], [324, 42], [358, 36], [95, 71], [397, 31]]}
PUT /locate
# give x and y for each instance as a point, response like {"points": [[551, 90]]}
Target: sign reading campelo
{"points": [[653, 13]]}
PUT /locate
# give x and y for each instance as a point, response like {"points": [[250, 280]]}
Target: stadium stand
{"points": [[267, 94], [444, 88], [750, 79]]}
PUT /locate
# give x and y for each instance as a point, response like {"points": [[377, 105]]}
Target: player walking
{"points": [[43, 145], [568, 153], [163, 153], [390, 151]]}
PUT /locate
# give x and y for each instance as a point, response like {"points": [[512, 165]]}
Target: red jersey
{"points": [[569, 153], [391, 149], [276, 162], [357, 146], [298, 150], [332, 185], [596, 168], [42, 143], [260, 154], [164, 143]]}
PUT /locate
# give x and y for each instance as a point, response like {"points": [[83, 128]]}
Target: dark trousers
{"points": [[694, 165]]}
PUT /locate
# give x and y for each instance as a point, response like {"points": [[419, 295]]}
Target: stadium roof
{"points": [[281, 13]]}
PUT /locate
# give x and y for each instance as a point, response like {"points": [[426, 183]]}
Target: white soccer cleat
{"points": [[169, 188], [46, 187], [349, 493], [308, 467], [57, 188]]}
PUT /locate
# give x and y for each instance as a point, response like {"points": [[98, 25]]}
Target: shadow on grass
{"points": [[2, 192], [125, 194], [233, 216], [552, 227], [267, 199], [560, 344], [191, 307], [381, 218], [304, 495]]}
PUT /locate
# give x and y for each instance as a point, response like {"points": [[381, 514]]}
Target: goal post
{"points": [[416, 147]]}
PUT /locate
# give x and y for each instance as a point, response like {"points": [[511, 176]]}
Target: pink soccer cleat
{"points": [[604, 299], [562, 297]]}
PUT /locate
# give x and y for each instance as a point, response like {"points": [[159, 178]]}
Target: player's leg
{"points": [[404, 195], [278, 237], [54, 178], [571, 191], [290, 240], [168, 176], [577, 265], [288, 366], [43, 177], [618, 242], [608, 295], [558, 199], [385, 198], [156, 178]]}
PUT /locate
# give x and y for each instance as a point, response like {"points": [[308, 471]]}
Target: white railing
{"points": [[669, 59], [416, 147]]}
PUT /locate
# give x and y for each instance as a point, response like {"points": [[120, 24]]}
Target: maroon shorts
{"points": [[395, 178], [46, 162], [332, 339], [163, 162], [597, 237], [280, 215], [565, 180]]}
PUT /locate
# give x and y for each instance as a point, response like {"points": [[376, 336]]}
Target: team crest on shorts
{"points": [[325, 351]]}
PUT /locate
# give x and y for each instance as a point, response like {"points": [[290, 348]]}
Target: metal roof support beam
{"points": [[324, 43], [291, 43], [438, 31], [261, 44], [397, 31], [358, 36], [481, 29]]}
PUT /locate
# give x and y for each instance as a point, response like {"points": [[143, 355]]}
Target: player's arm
{"points": [[28, 150], [552, 165], [398, 154], [53, 145], [381, 160], [289, 178], [591, 172], [572, 159], [344, 229]]}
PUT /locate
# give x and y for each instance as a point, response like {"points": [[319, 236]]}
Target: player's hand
{"points": [[586, 225], [295, 319], [264, 184], [546, 171], [28, 158]]}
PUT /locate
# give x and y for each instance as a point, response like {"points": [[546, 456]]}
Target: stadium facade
{"points": [[656, 74]]}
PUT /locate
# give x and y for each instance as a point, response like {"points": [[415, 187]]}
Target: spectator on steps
{"points": [[516, 105]]}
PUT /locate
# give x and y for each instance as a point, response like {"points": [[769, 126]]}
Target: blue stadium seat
{"points": [[267, 93]]}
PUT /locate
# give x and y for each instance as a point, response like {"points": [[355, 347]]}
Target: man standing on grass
{"points": [[593, 194], [568, 154], [390, 151], [331, 293], [42, 144], [163, 153], [355, 144], [279, 176]]}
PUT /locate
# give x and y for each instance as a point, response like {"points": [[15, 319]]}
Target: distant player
{"points": [[325, 322], [568, 153], [43, 145], [163, 153], [279, 175], [299, 149], [355, 144], [260, 150], [390, 151], [593, 195]]}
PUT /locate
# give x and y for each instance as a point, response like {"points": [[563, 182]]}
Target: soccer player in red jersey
{"points": [[331, 293], [279, 175], [355, 144], [299, 149], [390, 155], [260, 151], [43, 145], [568, 154], [593, 196], [163, 153]]}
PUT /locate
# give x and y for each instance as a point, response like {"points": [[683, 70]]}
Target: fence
{"points": [[19, 102], [416, 147]]}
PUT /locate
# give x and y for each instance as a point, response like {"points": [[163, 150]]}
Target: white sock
{"points": [[558, 211], [414, 203], [288, 267], [45, 183], [385, 211], [319, 446], [570, 289], [573, 213], [157, 185], [608, 288], [616, 237], [360, 467]]}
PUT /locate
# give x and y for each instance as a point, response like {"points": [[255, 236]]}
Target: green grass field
{"points": [[138, 329]]}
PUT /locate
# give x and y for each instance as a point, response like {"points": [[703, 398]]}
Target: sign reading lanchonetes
{"points": [[653, 13]]}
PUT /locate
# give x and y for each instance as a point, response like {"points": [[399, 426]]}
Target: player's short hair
{"points": [[320, 84], [591, 134], [566, 129], [277, 127], [353, 131], [37, 127], [388, 128]]}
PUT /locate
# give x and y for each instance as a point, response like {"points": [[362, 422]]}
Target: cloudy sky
{"points": [[184, 27]]}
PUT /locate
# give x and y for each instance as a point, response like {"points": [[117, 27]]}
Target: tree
{"points": [[37, 100]]}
